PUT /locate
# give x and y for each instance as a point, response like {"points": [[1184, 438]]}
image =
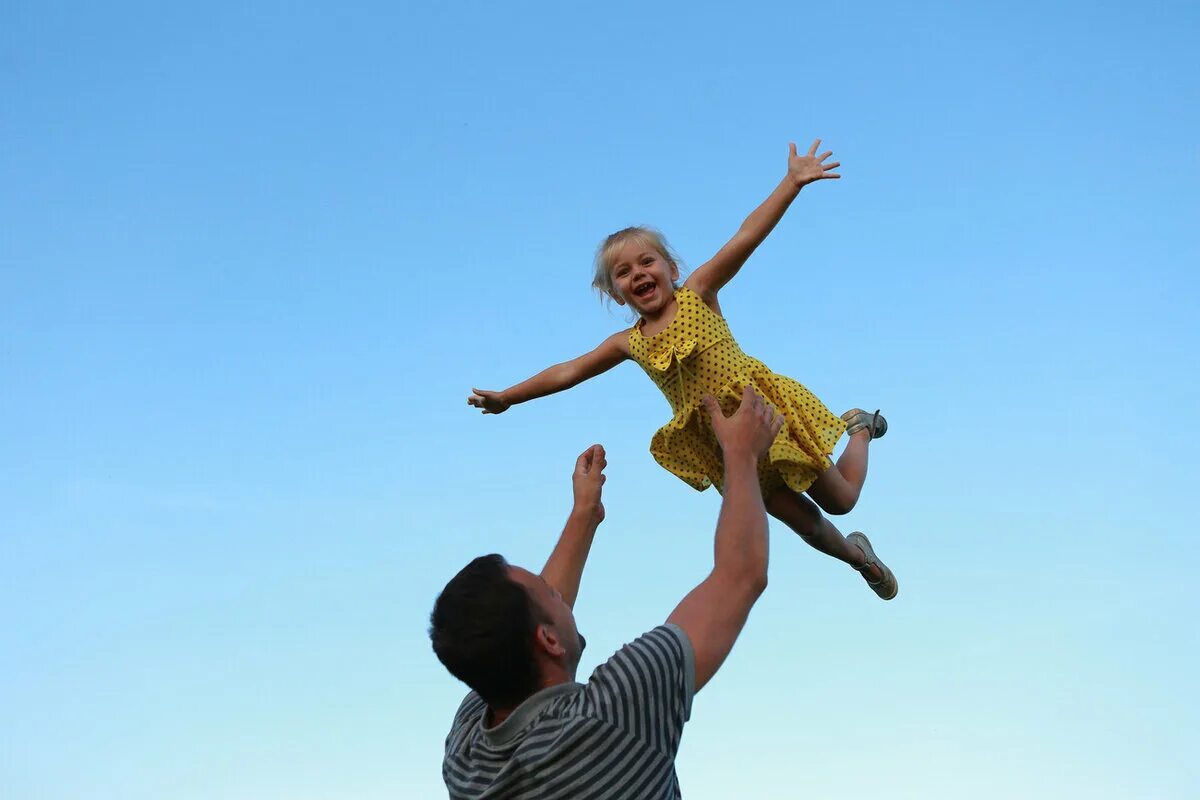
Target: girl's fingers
{"points": [[824, 155], [834, 165], [812, 151], [792, 149]]}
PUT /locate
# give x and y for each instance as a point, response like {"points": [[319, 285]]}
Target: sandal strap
{"points": [[865, 546], [869, 581], [858, 420]]}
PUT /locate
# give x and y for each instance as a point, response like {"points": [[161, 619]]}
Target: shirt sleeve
{"points": [[646, 688]]}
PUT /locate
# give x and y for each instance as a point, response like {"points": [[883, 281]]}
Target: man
{"points": [[527, 729]]}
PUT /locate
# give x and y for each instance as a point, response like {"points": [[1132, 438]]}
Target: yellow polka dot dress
{"points": [[696, 355]]}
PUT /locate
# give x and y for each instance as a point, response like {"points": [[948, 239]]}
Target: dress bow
{"points": [[674, 354]]}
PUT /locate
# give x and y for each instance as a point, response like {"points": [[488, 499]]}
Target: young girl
{"points": [[683, 343]]}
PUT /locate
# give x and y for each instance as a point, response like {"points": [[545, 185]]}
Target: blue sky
{"points": [[254, 256]]}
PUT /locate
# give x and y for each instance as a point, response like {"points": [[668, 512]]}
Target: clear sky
{"points": [[254, 256]]}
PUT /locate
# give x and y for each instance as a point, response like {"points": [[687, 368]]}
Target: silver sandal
{"points": [[886, 587], [857, 420]]}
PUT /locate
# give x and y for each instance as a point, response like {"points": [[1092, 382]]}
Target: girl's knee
{"points": [[838, 506], [833, 493], [835, 500]]}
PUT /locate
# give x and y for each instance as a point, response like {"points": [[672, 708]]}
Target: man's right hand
{"points": [[587, 482], [750, 430]]}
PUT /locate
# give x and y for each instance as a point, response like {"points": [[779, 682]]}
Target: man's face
{"points": [[550, 606]]}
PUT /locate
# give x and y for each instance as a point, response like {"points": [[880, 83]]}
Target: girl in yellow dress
{"points": [[683, 343]]}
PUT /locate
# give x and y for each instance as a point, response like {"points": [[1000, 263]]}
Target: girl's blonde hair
{"points": [[602, 277]]}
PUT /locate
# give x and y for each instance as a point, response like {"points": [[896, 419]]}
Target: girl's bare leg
{"points": [[838, 489], [802, 516]]}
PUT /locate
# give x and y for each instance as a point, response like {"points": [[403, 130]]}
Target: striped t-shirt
{"points": [[612, 738]]}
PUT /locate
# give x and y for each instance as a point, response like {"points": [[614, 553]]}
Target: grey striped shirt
{"points": [[612, 738]]}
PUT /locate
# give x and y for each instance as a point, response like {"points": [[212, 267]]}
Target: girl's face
{"points": [[643, 278]]}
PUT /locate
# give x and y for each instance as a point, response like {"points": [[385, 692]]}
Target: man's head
{"points": [[504, 631]]}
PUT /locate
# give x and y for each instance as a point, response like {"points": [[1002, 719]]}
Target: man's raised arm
{"points": [[713, 614], [565, 565]]}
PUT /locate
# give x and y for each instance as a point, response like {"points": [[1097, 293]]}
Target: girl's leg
{"points": [[838, 489], [802, 516]]}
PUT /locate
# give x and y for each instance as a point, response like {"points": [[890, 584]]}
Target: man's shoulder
{"points": [[660, 663], [471, 705], [666, 646], [468, 715]]}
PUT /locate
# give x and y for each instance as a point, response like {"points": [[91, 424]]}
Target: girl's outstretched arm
{"points": [[612, 351], [708, 279]]}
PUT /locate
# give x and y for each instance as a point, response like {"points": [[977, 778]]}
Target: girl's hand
{"points": [[490, 402], [805, 169]]}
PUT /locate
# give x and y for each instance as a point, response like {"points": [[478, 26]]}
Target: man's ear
{"points": [[548, 640]]}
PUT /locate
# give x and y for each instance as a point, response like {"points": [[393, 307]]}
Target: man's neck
{"points": [[495, 716]]}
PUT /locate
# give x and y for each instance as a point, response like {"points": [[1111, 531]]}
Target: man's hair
{"points": [[482, 627]]}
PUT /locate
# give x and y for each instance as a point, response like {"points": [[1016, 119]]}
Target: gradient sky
{"points": [[254, 256]]}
